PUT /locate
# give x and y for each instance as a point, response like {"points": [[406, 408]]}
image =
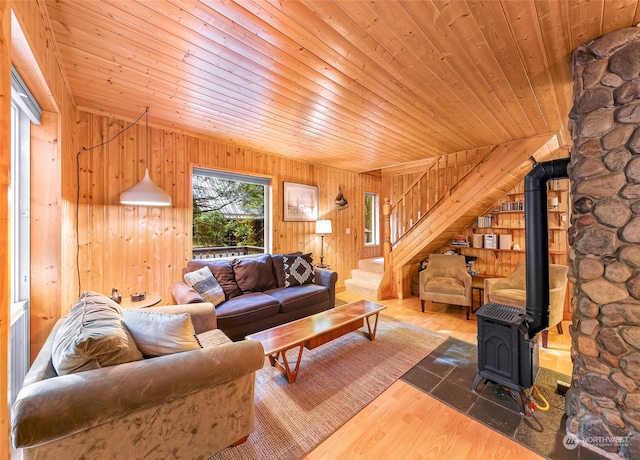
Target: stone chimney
{"points": [[603, 403]]}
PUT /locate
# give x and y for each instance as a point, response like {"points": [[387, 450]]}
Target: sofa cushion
{"points": [[297, 297], [223, 272], [158, 334], [254, 274], [245, 309], [205, 284], [92, 336], [298, 270], [278, 269], [445, 285], [213, 338]]}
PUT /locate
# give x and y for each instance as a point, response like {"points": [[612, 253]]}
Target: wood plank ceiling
{"points": [[357, 85]]}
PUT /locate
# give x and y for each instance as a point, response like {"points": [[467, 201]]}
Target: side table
{"points": [[477, 284], [149, 300]]}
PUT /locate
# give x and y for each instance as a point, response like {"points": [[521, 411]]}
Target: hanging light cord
{"points": [[146, 139], [85, 149]]}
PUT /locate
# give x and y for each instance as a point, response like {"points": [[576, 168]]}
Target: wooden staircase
{"points": [[367, 277], [487, 182]]}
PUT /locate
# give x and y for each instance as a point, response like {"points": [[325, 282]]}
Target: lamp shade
{"points": [[323, 226], [145, 193]]}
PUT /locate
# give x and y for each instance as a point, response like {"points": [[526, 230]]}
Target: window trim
{"points": [[20, 204], [375, 220], [23, 98], [24, 111], [241, 177]]}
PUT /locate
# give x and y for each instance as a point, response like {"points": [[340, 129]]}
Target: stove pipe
{"points": [[536, 241]]}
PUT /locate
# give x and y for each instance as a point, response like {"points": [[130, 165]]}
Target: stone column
{"points": [[603, 404]]}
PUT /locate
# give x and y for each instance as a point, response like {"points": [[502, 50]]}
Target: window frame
{"points": [[24, 111], [239, 177], [375, 219]]}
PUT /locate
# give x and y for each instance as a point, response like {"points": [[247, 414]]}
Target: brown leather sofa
{"points": [[255, 293]]}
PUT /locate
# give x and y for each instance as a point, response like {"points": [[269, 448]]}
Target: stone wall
{"points": [[603, 404]]}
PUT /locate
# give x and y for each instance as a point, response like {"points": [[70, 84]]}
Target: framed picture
{"points": [[300, 202]]}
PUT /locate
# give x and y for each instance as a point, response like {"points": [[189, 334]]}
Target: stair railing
{"points": [[416, 201], [428, 189]]}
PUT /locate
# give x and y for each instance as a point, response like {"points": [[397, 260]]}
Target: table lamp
{"points": [[322, 227]]}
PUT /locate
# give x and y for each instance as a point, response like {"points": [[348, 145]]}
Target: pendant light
{"points": [[145, 192]]}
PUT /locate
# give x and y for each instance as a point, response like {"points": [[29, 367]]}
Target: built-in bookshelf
{"points": [[505, 221]]}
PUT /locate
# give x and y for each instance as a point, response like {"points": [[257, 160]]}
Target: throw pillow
{"points": [[222, 270], [298, 270], [92, 336], [205, 284], [278, 266], [158, 334], [254, 274]]}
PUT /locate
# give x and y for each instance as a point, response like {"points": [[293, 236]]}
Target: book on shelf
{"points": [[460, 241], [512, 206], [484, 221]]}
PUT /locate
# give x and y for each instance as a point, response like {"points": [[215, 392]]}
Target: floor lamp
{"points": [[323, 227]]}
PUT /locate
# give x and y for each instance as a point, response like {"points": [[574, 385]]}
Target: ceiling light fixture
{"points": [[145, 192]]}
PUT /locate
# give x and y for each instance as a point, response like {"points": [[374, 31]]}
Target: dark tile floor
{"points": [[447, 374]]}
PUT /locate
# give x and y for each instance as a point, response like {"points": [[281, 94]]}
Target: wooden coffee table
{"points": [[316, 330]]}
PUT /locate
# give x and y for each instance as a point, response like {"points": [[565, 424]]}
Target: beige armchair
{"points": [[446, 280], [511, 291]]}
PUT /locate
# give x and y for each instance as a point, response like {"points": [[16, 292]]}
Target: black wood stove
{"points": [[507, 336], [506, 355]]}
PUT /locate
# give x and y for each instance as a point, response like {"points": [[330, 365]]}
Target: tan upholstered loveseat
{"points": [[184, 405]]}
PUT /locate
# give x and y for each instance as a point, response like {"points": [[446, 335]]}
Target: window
{"points": [[229, 214], [371, 221], [24, 111]]}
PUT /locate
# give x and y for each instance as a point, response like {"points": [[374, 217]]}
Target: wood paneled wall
{"points": [[46, 230], [145, 249], [25, 42], [52, 154]]}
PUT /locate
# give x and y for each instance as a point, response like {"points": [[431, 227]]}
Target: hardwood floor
{"points": [[404, 422]]}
